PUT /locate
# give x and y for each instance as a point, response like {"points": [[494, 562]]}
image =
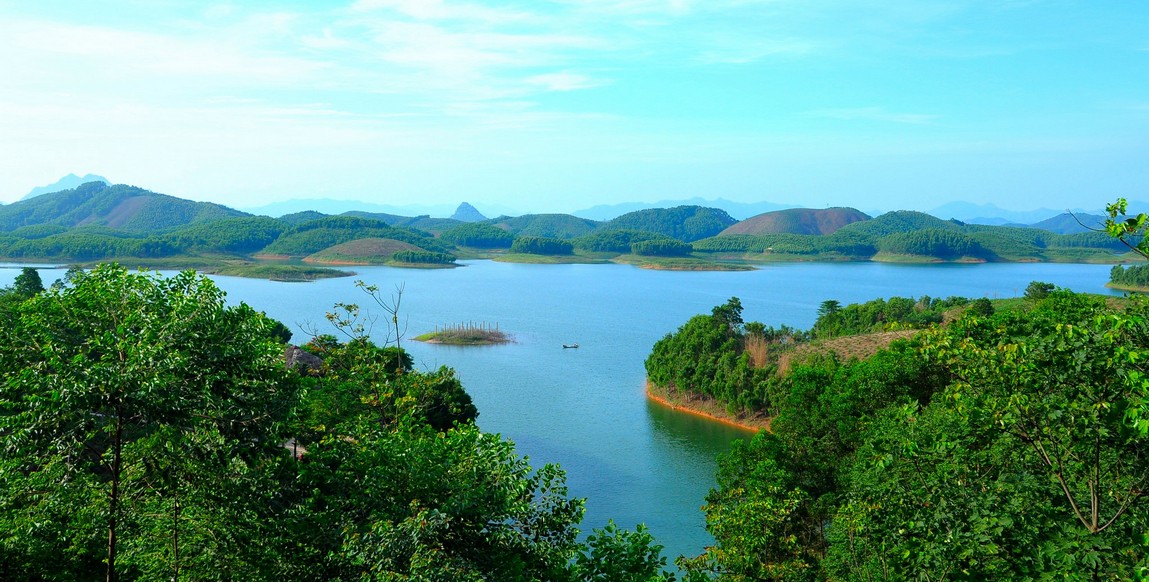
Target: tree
{"points": [[1037, 290], [981, 307], [125, 388], [28, 282], [1130, 230]]}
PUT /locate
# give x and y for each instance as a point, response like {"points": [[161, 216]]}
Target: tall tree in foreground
{"points": [[122, 394]]}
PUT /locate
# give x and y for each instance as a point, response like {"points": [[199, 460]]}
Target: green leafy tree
{"points": [[981, 307], [28, 283], [105, 381], [1038, 290]]}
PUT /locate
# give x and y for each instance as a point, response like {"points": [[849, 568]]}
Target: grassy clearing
{"points": [[845, 348], [278, 272], [364, 251], [547, 259], [681, 263]]}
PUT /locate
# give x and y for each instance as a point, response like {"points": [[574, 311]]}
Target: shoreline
{"points": [[747, 424]]}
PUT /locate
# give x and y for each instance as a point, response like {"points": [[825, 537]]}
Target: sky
{"points": [[560, 105]]}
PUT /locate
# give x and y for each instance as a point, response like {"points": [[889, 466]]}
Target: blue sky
{"points": [[555, 106]]}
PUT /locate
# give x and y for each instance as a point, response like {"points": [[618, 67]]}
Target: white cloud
{"points": [[564, 81], [442, 10]]}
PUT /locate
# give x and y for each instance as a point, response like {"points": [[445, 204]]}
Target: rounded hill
{"points": [[364, 251], [797, 221]]}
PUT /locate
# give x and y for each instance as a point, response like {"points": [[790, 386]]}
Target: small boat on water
{"points": [[569, 346]]}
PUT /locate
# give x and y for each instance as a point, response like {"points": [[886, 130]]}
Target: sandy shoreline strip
{"points": [[752, 424]]}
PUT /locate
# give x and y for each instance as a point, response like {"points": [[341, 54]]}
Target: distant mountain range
{"points": [[66, 183], [737, 210], [332, 206], [96, 220], [993, 215]]}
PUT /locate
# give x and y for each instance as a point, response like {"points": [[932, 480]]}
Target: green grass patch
{"points": [[681, 263], [469, 334], [547, 259], [278, 272]]}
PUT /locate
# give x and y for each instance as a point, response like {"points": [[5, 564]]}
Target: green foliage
{"points": [[1003, 446], [136, 395], [560, 226], [880, 315], [617, 555], [981, 307], [85, 244], [143, 425], [423, 257], [707, 356], [534, 245], [1128, 230], [28, 283], [613, 240], [661, 247], [941, 243], [311, 237], [1136, 277], [685, 223], [1037, 290], [478, 235], [230, 235]]}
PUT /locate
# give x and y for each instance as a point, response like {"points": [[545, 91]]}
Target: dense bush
{"points": [[426, 257], [535, 245], [661, 247], [478, 235], [1136, 276]]}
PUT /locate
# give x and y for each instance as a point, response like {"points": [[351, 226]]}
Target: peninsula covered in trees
{"points": [[997, 439], [97, 222]]}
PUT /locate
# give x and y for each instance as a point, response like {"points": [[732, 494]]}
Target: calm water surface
{"points": [[584, 409]]}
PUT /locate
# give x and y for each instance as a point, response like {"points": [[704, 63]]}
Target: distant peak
{"points": [[66, 183], [467, 213]]}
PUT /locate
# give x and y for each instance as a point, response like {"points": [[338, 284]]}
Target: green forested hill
{"points": [[121, 207], [924, 237], [245, 234], [311, 237], [685, 223], [562, 226]]}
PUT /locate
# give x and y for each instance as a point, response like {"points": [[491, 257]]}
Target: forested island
{"points": [[98, 222], [1001, 439]]}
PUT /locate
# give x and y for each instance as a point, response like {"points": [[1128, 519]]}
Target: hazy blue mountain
{"points": [[737, 210], [332, 206], [1072, 223], [467, 213], [995, 216], [66, 183]]}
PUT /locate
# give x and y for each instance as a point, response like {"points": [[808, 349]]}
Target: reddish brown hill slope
{"points": [[797, 221]]}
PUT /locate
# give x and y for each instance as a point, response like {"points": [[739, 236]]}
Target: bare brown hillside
{"points": [[797, 221]]}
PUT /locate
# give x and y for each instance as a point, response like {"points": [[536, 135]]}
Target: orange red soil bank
{"points": [[752, 424]]}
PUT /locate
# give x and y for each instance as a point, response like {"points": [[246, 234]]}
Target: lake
{"points": [[585, 408]]}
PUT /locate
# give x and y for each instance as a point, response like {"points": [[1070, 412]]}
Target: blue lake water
{"points": [[584, 408]]}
